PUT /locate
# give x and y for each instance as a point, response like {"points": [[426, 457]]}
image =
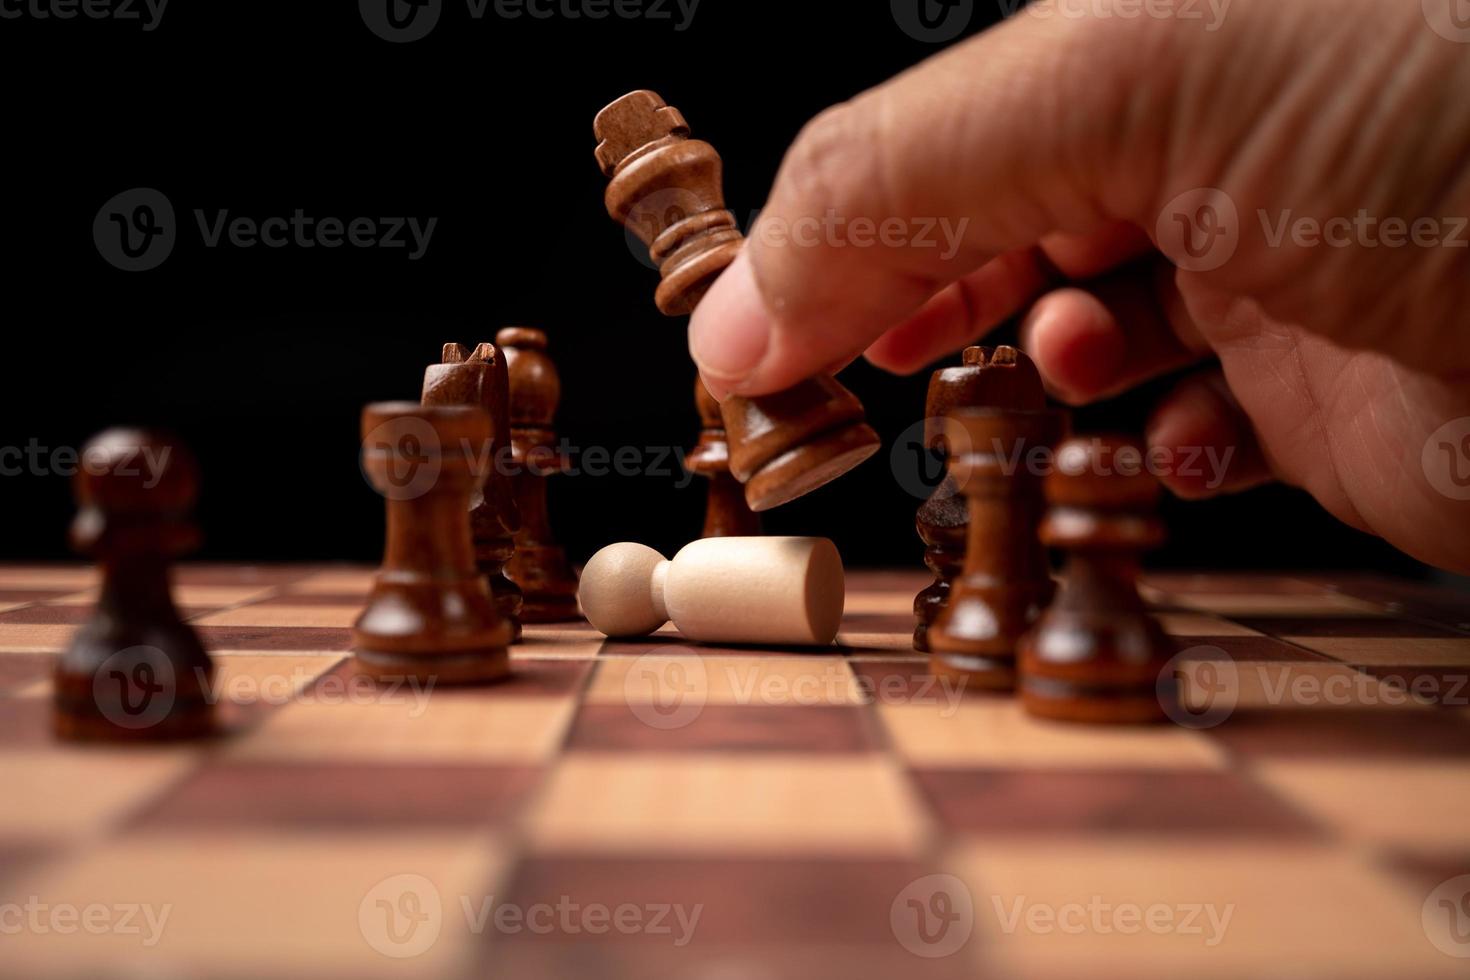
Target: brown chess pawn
{"points": [[667, 189], [481, 378], [999, 378], [726, 514], [134, 670], [1005, 582], [430, 614], [540, 566], [1096, 655]]}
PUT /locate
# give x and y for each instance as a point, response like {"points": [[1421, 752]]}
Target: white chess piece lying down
{"points": [[767, 590]]}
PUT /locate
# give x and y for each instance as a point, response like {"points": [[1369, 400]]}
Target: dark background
{"points": [[261, 358]]}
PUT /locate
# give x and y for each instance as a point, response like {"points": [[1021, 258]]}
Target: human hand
{"points": [[1100, 146]]}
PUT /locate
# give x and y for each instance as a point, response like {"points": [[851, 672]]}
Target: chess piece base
{"points": [[809, 466], [468, 667], [1066, 701]]}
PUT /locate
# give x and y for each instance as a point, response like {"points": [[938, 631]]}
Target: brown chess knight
{"points": [[667, 189]]}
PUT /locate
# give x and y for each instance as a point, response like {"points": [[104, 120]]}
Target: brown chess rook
{"points": [[481, 378], [540, 565], [1005, 582], [1096, 655], [667, 189], [1000, 378], [726, 514], [430, 614], [134, 670]]}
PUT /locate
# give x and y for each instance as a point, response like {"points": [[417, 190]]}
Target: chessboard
{"points": [[660, 809]]}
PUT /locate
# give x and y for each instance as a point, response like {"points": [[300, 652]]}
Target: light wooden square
{"points": [[1389, 651], [1325, 604], [879, 603], [1296, 910], [1207, 685], [1418, 806], [266, 614], [68, 793], [35, 637], [880, 642], [267, 905], [1201, 624], [688, 678], [727, 804], [342, 581], [385, 723], [996, 732], [57, 577], [247, 679]]}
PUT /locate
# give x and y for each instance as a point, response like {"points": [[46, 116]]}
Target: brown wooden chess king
{"points": [[540, 565], [1096, 654], [1006, 581], [430, 614], [667, 189], [134, 670], [481, 378], [726, 514], [999, 378]]}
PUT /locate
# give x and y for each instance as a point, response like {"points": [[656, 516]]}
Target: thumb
{"points": [[1036, 126]]}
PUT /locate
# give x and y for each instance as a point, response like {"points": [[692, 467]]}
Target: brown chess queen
{"points": [[430, 614], [1096, 655], [666, 188]]}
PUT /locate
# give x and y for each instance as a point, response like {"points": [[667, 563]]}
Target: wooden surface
{"points": [[802, 802]]}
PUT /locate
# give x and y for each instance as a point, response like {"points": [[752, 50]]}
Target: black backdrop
{"points": [[260, 358]]}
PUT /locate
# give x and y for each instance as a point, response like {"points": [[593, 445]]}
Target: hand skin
{"points": [[1069, 135]]}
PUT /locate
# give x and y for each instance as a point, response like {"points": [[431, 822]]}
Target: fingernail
{"points": [[731, 328]]}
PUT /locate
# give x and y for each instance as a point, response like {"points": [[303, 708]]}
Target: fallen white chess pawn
{"points": [[766, 590]]}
